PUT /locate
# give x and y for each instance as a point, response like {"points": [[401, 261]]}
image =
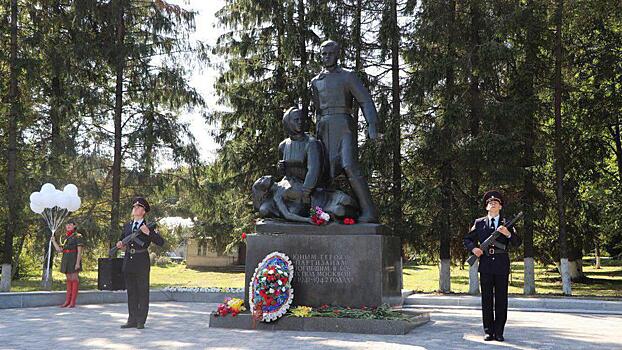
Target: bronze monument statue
{"points": [[309, 166], [333, 91], [301, 164], [351, 258]]}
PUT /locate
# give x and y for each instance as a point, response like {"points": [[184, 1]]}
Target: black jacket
{"points": [[498, 264], [139, 262]]}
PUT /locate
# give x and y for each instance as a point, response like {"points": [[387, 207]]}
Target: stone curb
{"points": [[13, 300], [570, 305], [38, 299]]}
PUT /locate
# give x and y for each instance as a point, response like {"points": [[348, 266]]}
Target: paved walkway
{"points": [[185, 326]]}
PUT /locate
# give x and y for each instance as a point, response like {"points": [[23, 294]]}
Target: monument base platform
{"points": [[323, 324], [341, 265]]}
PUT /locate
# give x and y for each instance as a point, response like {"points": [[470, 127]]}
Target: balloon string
{"points": [[46, 216], [53, 217]]}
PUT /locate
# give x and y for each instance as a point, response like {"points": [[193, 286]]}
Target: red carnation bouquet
{"points": [[318, 216]]}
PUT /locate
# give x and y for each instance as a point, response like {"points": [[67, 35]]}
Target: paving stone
{"points": [[175, 325]]}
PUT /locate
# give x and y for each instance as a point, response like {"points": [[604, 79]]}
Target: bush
{"points": [[613, 244]]}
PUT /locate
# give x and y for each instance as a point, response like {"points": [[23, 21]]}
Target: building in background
{"points": [[200, 253]]}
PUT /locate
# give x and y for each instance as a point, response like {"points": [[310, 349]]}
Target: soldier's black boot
{"points": [[128, 325]]}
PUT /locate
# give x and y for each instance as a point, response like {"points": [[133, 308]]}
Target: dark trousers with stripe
{"points": [[494, 302], [137, 284]]}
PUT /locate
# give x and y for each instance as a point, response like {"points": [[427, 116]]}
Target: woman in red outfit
{"points": [[71, 263]]}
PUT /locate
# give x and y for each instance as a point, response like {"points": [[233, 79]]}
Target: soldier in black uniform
{"points": [[494, 267], [136, 264]]}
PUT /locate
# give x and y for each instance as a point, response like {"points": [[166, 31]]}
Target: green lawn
{"points": [[606, 282], [172, 275]]}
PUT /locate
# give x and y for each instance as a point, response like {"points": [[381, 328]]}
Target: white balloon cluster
{"points": [[54, 205], [50, 197]]}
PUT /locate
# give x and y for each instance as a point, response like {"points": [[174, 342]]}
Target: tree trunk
{"points": [[618, 142], [575, 269], [529, 287], [279, 76], [593, 224], [12, 134], [597, 254], [15, 273], [559, 152], [47, 277], [445, 164], [396, 124], [575, 259], [118, 112], [475, 101], [55, 158], [357, 45], [148, 160], [302, 52]]}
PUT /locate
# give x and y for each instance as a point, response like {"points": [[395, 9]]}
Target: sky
{"points": [[203, 79]]}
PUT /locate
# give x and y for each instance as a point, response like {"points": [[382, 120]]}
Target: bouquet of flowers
{"points": [[318, 216], [348, 221], [231, 306]]}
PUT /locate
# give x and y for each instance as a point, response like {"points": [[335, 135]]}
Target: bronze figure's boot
{"points": [[369, 213]]}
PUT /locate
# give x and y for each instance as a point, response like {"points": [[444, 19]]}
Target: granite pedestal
{"points": [[343, 265], [323, 324]]}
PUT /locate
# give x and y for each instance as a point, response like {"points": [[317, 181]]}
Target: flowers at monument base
{"points": [[348, 221], [270, 292], [231, 306], [318, 216], [301, 311], [384, 312], [243, 235]]}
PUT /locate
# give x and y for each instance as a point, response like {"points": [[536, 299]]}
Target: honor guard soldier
{"points": [[494, 266], [136, 263]]}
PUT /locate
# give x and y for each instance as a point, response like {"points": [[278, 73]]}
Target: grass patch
{"points": [[170, 275], [605, 282]]}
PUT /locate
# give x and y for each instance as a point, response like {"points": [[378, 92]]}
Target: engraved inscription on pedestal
{"points": [[347, 270], [312, 269]]}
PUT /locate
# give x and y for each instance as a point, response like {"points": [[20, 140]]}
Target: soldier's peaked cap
{"points": [[493, 195], [142, 202]]}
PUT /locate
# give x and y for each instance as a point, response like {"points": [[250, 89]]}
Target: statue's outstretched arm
{"points": [[286, 213]]}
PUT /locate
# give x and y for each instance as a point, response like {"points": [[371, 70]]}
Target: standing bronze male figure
{"points": [[334, 90]]}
